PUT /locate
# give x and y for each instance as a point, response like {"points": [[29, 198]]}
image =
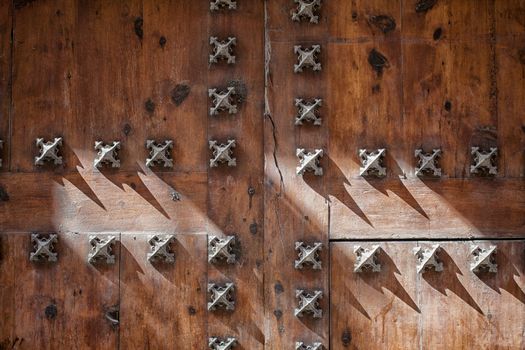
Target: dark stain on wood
{"points": [[448, 106], [278, 287], [191, 310], [4, 196], [241, 91], [278, 314], [179, 93], [253, 228], [126, 129], [162, 41], [521, 56], [383, 22], [437, 34], [139, 22], [18, 4], [149, 105], [425, 5], [51, 311], [346, 337], [378, 61], [376, 89]]}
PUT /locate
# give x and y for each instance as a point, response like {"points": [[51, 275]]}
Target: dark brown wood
{"points": [[6, 25], [235, 194], [162, 305]]}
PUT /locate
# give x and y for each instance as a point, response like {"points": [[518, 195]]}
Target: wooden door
{"points": [[445, 75]]}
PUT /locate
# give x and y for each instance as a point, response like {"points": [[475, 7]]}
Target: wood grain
{"points": [[6, 25]]}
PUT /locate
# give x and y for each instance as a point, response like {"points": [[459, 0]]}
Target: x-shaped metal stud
{"points": [[307, 111], [372, 163], [427, 258], [222, 101], [48, 151], [309, 161], [221, 296], [484, 259], [221, 249], [101, 249], [428, 163], [306, 9], [222, 49], [484, 162], [107, 154], [216, 343], [215, 5], [44, 247], [308, 255], [308, 303], [159, 153], [366, 259], [160, 249], [222, 153], [302, 346], [307, 58]]}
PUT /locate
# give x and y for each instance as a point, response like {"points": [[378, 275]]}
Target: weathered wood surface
{"points": [[6, 23], [454, 309], [235, 194], [57, 305], [162, 306]]}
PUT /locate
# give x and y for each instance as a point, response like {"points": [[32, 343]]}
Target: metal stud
{"points": [[222, 101], [216, 343], [221, 249], [222, 49], [216, 5], [48, 151], [306, 9], [101, 249], [483, 259], [308, 255], [308, 303], [366, 259], [43, 247], [160, 249], [307, 58], [427, 258], [221, 296], [107, 154], [309, 161], [222, 153], [372, 163], [428, 163], [159, 153], [314, 346], [484, 162], [307, 111]]}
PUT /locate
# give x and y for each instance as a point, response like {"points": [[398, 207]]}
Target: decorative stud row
{"points": [[427, 258], [306, 9], [372, 162], [221, 296], [216, 5]]}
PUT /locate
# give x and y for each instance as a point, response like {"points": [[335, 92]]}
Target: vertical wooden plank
{"points": [[8, 265], [43, 79], [163, 305], [374, 310], [235, 194], [65, 304], [173, 105], [6, 25], [108, 58], [510, 56], [296, 207], [474, 310]]}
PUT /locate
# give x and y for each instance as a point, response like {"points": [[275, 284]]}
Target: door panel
{"points": [[397, 308]]}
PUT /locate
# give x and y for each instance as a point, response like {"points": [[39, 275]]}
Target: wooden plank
{"points": [[174, 56], [474, 311], [163, 305], [6, 25], [235, 195], [43, 79], [8, 263], [64, 304], [413, 208], [126, 201], [295, 206], [374, 310]]}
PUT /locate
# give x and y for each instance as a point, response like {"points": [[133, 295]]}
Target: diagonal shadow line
{"points": [[134, 182], [448, 279], [336, 188], [78, 181]]}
